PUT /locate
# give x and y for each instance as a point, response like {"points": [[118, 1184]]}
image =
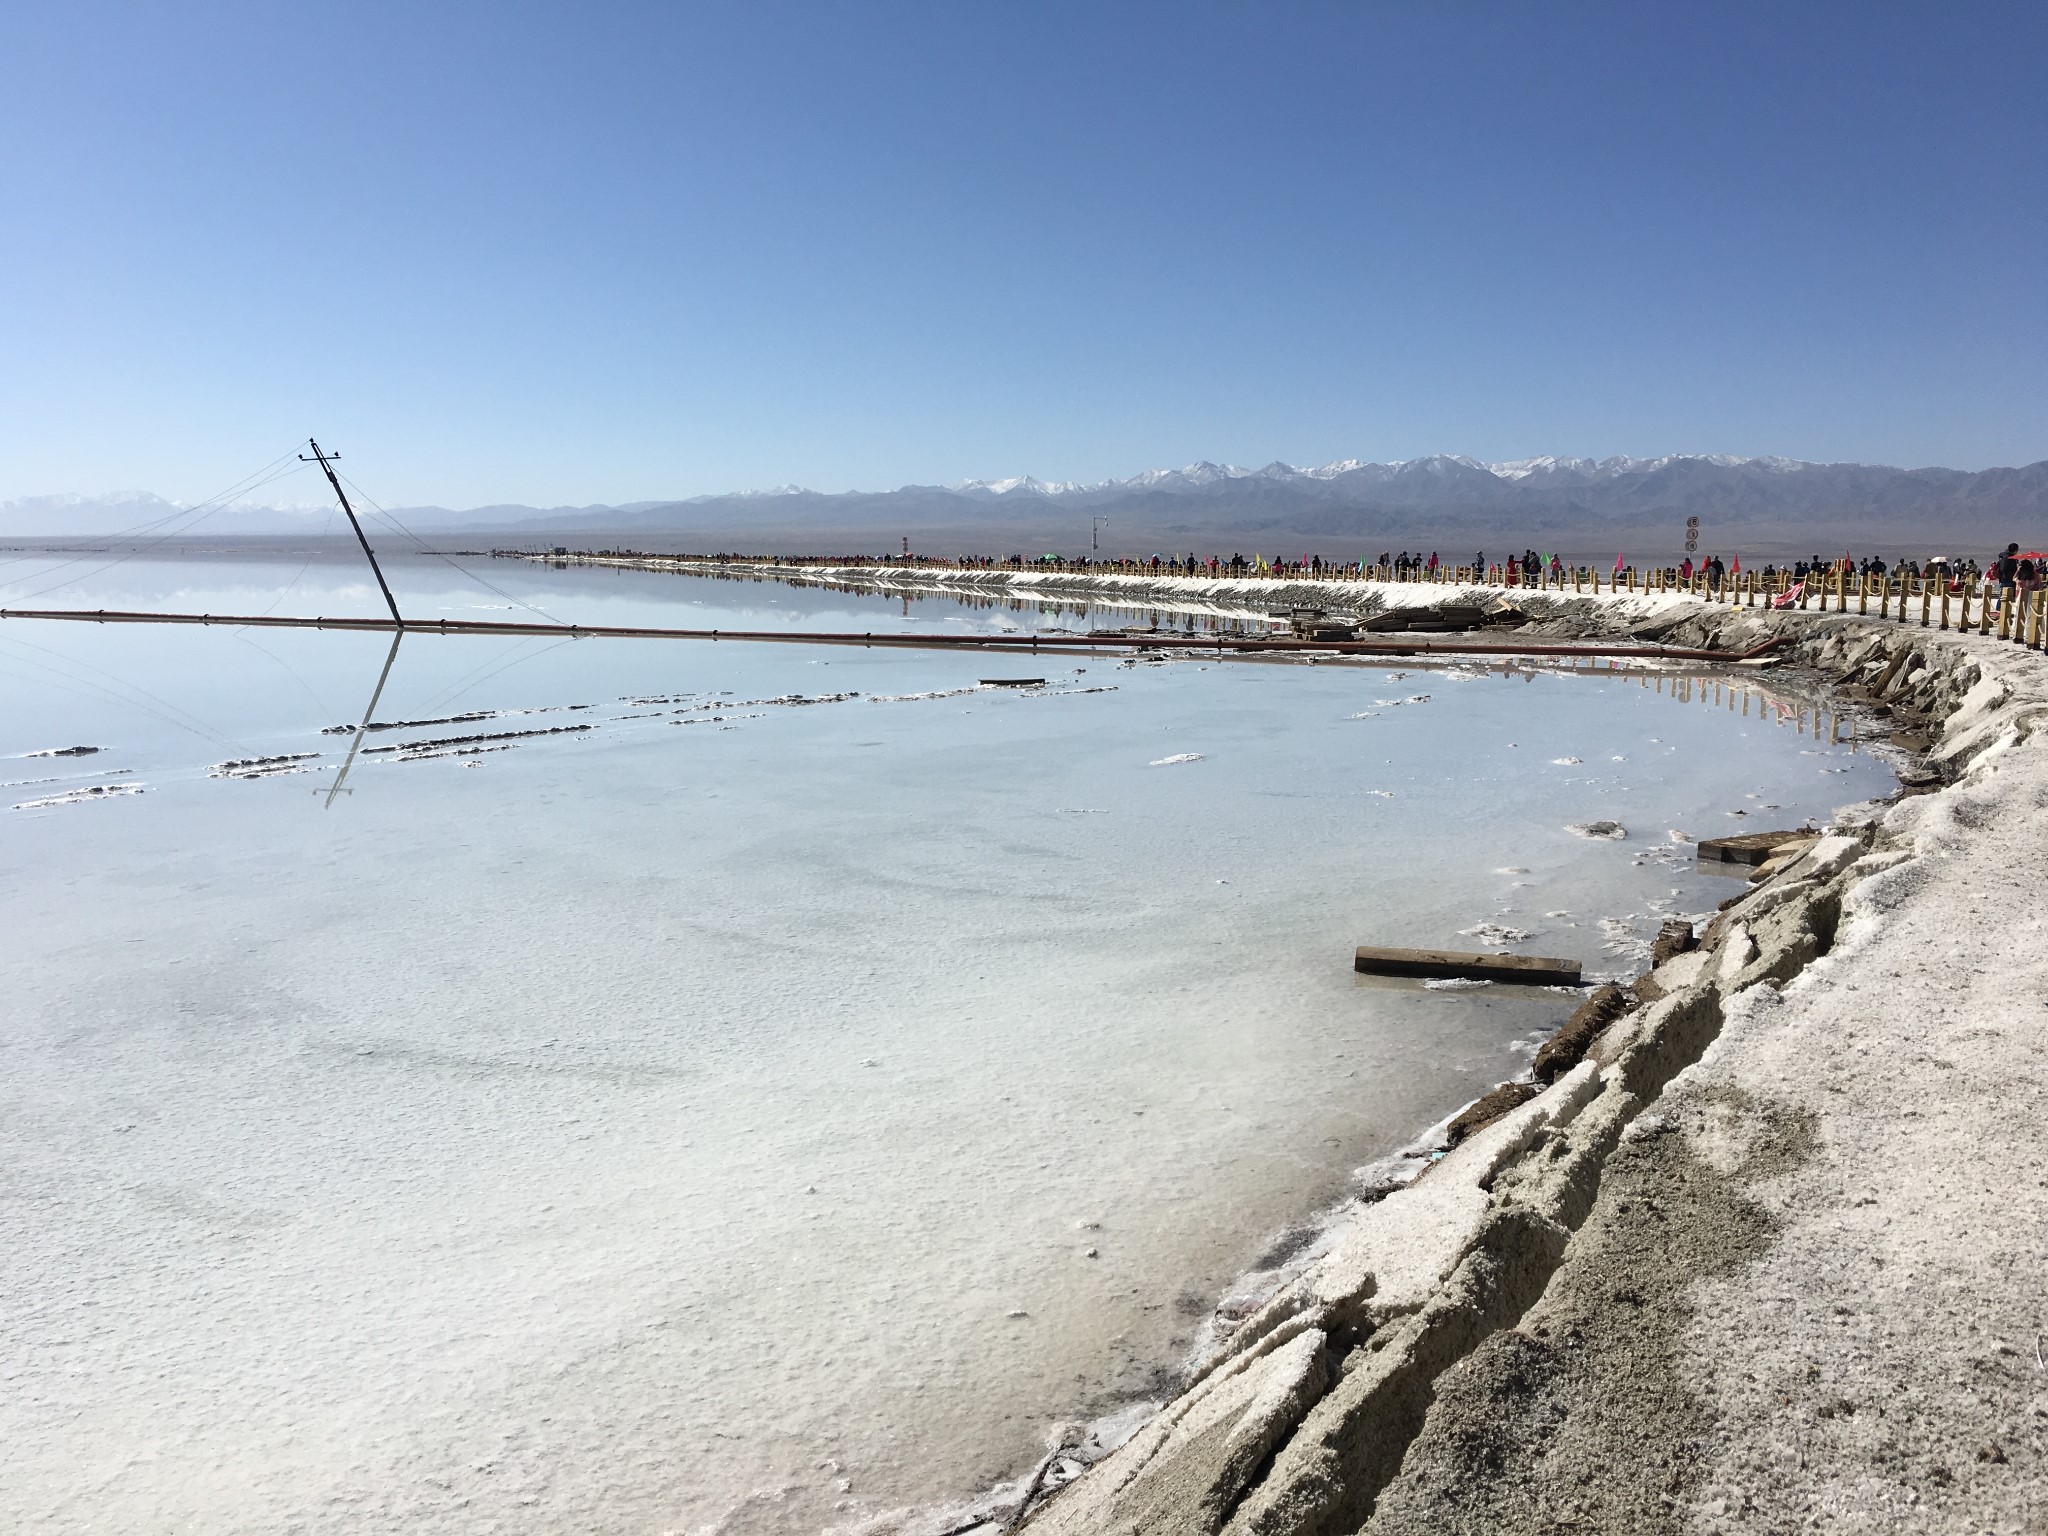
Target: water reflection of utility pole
{"points": [[1095, 534], [375, 694]]}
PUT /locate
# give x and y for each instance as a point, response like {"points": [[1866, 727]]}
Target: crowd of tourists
{"points": [[2010, 570]]}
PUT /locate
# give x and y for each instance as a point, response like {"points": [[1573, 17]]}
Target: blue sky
{"points": [[603, 252]]}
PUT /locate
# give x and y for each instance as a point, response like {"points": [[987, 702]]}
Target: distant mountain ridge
{"points": [[1443, 497], [1202, 475]]}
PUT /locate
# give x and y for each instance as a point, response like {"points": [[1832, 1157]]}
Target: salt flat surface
{"points": [[702, 1119]]}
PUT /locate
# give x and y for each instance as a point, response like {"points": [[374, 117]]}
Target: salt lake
{"points": [[683, 1087]]}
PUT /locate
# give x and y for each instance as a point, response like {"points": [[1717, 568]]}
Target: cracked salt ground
{"points": [[559, 1046]]}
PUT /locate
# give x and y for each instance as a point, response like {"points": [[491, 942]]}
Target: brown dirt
{"points": [[1567, 1048], [1584, 1419], [1506, 1097]]}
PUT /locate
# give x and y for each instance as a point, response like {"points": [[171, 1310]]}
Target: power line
{"points": [[497, 591], [203, 510]]}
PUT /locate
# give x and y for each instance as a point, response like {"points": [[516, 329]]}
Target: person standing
{"points": [[2005, 571]]}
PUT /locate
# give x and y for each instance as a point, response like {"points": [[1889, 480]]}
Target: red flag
{"points": [[1735, 565], [1617, 562]]}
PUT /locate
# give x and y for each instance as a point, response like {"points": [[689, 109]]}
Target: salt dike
{"points": [[1770, 1256]]}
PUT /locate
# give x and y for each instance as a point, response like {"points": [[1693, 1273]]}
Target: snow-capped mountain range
{"points": [[1199, 476], [1444, 497]]}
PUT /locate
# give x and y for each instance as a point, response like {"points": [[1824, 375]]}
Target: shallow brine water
{"points": [[656, 1103]]}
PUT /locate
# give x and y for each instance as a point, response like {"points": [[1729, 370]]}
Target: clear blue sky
{"points": [[601, 252]]}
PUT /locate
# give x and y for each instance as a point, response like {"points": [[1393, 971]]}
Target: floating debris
{"points": [[1611, 831], [1496, 934]]}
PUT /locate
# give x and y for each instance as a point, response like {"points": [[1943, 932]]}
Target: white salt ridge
{"points": [[83, 796], [262, 767], [1565, 762], [1622, 938], [68, 778], [933, 693], [1178, 757]]}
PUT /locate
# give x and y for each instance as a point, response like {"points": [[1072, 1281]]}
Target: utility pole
{"points": [[335, 481]]}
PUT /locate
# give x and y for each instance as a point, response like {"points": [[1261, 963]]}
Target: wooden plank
{"points": [[1752, 848], [1450, 965]]}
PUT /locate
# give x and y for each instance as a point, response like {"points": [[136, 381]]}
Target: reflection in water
{"points": [[1194, 616], [369, 711], [1781, 704]]}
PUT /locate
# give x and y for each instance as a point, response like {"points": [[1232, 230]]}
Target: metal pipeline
{"points": [[1225, 646]]}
